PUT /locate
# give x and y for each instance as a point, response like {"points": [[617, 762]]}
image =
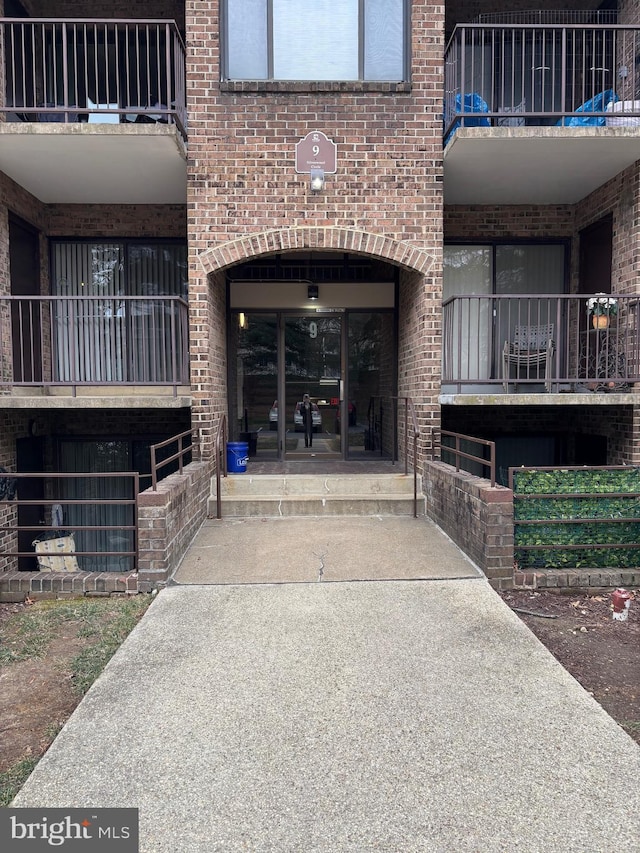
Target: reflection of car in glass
{"points": [[353, 417], [316, 418], [273, 416]]}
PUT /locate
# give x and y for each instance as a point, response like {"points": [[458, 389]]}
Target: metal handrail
{"points": [[49, 502], [78, 341], [587, 521], [220, 447], [461, 454], [586, 356], [409, 411], [409, 417], [544, 72], [144, 80], [179, 455]]}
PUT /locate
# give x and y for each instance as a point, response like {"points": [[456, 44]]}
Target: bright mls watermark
{"points": [[79, 830]]}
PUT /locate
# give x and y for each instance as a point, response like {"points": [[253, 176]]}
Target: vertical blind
{"points": [[470, 337], [315, 39], [110, 339], [98, 456]]}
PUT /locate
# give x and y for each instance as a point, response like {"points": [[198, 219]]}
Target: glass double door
{"points": [[314, 379], [343, 361]]}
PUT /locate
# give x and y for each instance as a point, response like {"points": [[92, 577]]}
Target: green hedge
{"points": [[570, 544]]}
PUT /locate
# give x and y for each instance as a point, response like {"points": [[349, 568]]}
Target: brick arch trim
{"points": [[349, 240]]}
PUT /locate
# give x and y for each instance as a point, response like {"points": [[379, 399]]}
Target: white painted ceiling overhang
{"points": [[96, 164], [534, 165]]}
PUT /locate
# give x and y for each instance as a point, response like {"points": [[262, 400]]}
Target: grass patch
{"points": [[14, 778], [631, 726], [107, 635], [28, 634], [103, 623]]}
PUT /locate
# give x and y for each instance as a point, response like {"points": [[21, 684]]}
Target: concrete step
{"points": [[272, 495]]}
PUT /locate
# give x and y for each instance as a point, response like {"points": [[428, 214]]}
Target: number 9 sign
{"points": [[316, 151]]}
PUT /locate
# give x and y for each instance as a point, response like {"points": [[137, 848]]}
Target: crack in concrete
{"points": [[321, 569]]}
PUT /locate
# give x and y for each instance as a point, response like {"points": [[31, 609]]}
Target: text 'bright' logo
{"points": [[55, 833], [36, 830]]}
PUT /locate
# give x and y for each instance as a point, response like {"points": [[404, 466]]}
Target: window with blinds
{"points": [[316, 40], [119, 321]]}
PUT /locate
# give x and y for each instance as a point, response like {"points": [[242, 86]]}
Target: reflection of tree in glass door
{"points": [[313, 366]]}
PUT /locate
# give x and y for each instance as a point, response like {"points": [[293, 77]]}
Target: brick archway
{"points": [[332, 238]]}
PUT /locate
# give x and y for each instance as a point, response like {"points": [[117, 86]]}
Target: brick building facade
{"points": [[174, 193]]}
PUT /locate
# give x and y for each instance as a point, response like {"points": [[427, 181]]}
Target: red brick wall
{"points": [[628, 12], [168, 519], [12, 425], [207, 329], [242, 179], [163, 221], [621, 197], [494, 222], [156, 9], [477, 517], [420, 349], [16, 200], [619, 424]]}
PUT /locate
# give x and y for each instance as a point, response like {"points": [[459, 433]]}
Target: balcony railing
{"points": [[512, 75], [66, 522], [581, 358], [94, 70], [75, 341]]}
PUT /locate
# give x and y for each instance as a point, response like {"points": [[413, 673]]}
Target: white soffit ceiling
{"points": [[545, 165], [96, 164]]}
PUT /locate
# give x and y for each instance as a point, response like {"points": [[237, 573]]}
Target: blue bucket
{"points": [[237, 453]]}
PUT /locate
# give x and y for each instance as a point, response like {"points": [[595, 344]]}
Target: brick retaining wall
{"points": [[168, 519], [477, 517]]}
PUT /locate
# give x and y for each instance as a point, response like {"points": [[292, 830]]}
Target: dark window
{"points": [[319, 40]]}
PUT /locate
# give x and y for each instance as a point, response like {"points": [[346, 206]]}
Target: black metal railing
{"points": [[186, 444], [570, 348], [94, 70], [62, 522], [576, 516], [220, 459], [75, 341], [392, 429], [514, 74], [456, 449]]}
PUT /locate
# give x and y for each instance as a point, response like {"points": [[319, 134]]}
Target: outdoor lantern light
{"points": [[312, 291], [317, 180]]}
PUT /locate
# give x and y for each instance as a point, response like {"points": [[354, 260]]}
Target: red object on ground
{"points": [[621, 600]]}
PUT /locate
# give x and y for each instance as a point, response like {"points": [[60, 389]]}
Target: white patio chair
{"points": [[531, 347]]}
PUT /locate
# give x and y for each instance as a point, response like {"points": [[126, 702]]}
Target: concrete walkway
{"points": [[404, 715], [306, 550]]}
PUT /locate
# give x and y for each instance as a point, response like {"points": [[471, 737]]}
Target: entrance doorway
{"points": [[344, 359], [313, 366]]}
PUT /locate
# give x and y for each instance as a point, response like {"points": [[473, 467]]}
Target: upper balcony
{"points": [[539, 113], [93, 350], [545, 348], [94, 110]]}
